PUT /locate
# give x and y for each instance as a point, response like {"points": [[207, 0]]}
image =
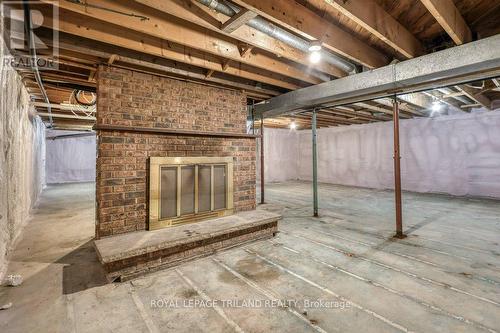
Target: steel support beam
{"points": [[397, 172], [315, 164], [262, 160], [468, 62]]}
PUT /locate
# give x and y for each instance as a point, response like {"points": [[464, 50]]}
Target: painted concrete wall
{"points": [[22, 158], [70, 159], [459, 155]]}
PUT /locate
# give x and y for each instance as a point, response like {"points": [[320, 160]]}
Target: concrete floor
{"points": [[341, 272]]}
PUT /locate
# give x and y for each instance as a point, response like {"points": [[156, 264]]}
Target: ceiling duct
{"points": [[260, 24]]}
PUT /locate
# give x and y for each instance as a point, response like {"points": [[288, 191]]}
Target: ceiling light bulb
{"points": [[314, 46], [436, 106], [315, 57], [293, 125]]}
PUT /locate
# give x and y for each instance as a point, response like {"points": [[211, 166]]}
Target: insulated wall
{"points": [[281, 150], [459, 155], [70, 159], [22, 159]]}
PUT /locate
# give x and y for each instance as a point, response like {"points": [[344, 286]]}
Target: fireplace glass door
{"points": [[186, 190]]}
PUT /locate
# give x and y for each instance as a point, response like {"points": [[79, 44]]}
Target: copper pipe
{"points": [[262, 160], [397, 172]]}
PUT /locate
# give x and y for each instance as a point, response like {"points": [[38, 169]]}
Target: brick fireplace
{"points": [[140, 116]]}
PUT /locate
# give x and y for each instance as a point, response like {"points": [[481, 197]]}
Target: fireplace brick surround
{"points": [[137, 117]]}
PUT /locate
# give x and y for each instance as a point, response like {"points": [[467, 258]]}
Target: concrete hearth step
{"points": [[129, 255]]}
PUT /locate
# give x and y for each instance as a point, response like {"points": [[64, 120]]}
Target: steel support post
{"points": [[262, 160], [315, 164], [397, 172]]}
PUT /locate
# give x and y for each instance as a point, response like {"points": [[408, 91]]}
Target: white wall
{"points": [[459, 155], [22, 158], [283, 163], [71, 159]]}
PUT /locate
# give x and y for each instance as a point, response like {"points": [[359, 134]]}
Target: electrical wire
{"points": [[87, 108]]}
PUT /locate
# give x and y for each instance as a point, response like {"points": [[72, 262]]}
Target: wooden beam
{"points": [[224, 64], [209, 73], [79, 25], [63, 107], [475, 105], [476, 96], [155, 65], [378, 109], [418, 99], [244, 49], [172, 131], [402, 107], [112, 59], [238, 20], [449, 17], [198, 14], [65, 116], [455, 94], [326, 118], [357, 113], [176, 31], [376, 20], [92, 76], [303, 21], [74, 127]]}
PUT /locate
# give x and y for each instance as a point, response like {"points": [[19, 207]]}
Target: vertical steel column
{"points": [[315, 165], [397, 172], [262, 159]]}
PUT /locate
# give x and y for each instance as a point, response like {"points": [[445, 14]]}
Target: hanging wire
{"points": [[87, 108]]}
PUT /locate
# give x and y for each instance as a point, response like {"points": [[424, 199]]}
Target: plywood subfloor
{"points": [[342, 272]]}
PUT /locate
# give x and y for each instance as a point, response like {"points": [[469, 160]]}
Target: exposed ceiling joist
{"points": [[472, 61], [302, 21], [454, 94], [328, 117], [378, 22], [361, 114], [466, 106], [200, 15], [65, 116], [63, 107], [402, 106], [420, 100], [100, 31], [158, 65], [175, 31], [475, 96], [380, 109], [449, 17]]}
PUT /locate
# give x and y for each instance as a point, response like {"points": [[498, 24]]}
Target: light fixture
{"points": [[315, 57], [436, 106], [293, 125], [315, 46]]}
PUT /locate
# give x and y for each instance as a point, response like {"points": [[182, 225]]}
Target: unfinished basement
{"points": [[250, 166]]}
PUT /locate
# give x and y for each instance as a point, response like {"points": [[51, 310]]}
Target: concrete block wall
{"points": [[22, 160], [132, 99]]}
